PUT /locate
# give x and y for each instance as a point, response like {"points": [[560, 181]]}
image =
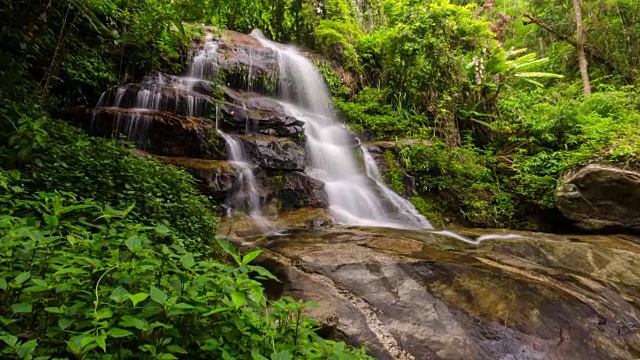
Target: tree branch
{"points": [[570, 40]]}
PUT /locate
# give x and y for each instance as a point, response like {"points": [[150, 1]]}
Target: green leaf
{"points": [[51, 220], [284, 355], [162, 230], [119, 295], [25, 350], [130, 321], [158, 295], [22, 277], [187, 261], [134, 243], [64, 323], [101, 340], [22, 308], [148, 348], [3, 284], [538, 74], [239, 299], [104, 314], [228, 248], [9, 340], [165, 356], [251, 256], [137, 298], [118, 333], [255, 355], [175, 349], [54, 310]]}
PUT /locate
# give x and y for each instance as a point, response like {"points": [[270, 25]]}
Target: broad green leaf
{"points": [[9, 340], [130, 321], [104, 314], [3, 284], [158, 295], [187, 261], [51, 220], [119, 294], [22, 277], [284, 355], [162, 230], [165, 356], [250, 256], [134, 243], [101, 340], [118, 333], [255, 355], [26, 349], [175, 349], [239, 299], [22, 308], [228, 248], [64, 323], [148, 348], [137, 298]]}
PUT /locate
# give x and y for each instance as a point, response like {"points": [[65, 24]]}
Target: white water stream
{"points": [[354, 198]]}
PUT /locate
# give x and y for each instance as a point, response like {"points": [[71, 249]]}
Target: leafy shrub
{"points": [[57, 157], [459, 183], [370, 111], [81, 280]]}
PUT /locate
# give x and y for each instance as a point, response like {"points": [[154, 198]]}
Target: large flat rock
{"points": [[425, 295]]}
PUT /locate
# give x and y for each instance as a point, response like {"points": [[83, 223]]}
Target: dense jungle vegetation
{"points": [[106, 255]]}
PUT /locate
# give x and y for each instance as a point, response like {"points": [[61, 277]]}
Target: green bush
{"points": [[458, 184], [83, 280], [54, 156]]}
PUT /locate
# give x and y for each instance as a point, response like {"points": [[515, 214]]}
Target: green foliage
{"points": [[83, 280], [74, 49], [559, 134], [54, 156], [368, 110], [459, 183]]}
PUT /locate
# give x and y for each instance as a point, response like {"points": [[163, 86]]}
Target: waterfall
{"points": [[246, 194], [354, 198], [401, 205]]}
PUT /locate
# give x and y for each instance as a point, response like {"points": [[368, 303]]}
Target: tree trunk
{"points": [[582, 59]]}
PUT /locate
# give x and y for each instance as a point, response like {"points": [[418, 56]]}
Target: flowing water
{"points": [[354, 198], [177, 94]]}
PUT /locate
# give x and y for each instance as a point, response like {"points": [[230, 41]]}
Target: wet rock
{"points": [[274, 153], [157, 132], [247, 64], [384, 153], [240, 118], [299, 190], [599, 197], [217, 176], [423, 295]]}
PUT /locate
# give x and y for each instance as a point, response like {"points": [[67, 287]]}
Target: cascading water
{"points": [[246, 194], [400, 205], [354, 198], [136, 103]]}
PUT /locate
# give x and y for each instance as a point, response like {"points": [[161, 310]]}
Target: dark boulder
{"points": [[274, 153], [217, 176], [157, 132], [298, 190], [599, 197]]}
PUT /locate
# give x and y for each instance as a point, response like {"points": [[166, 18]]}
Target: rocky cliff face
{"points": [[175, 119]]}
